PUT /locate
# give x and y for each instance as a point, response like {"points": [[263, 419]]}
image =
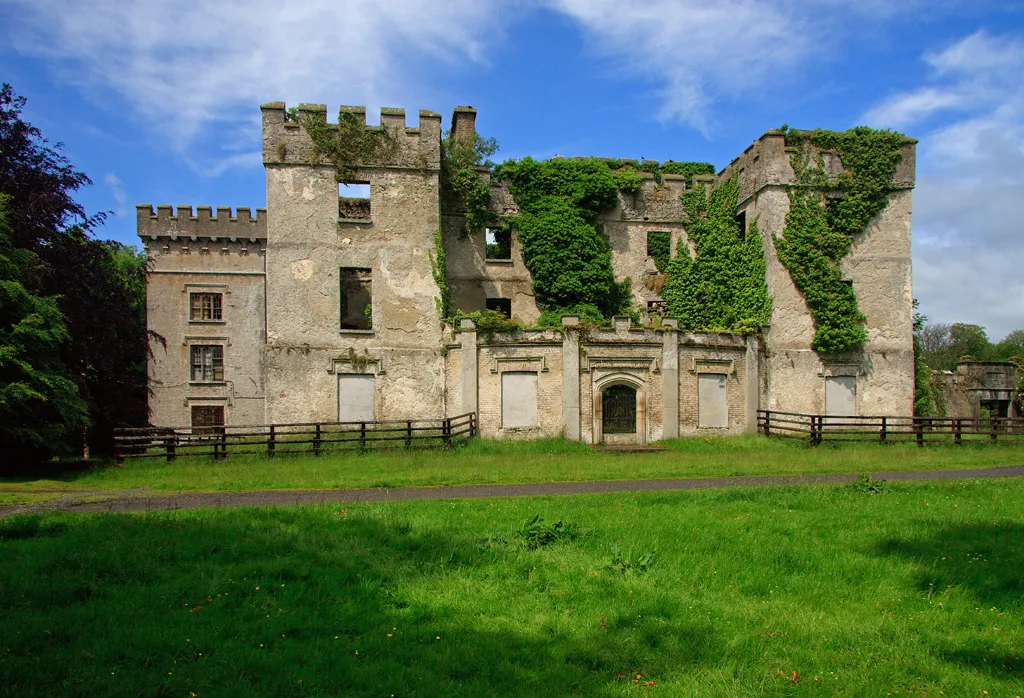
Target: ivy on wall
{"points": [[439, 270], [567, 256], [659, 247], [824, 213], [722, 286], [461, 184], [349, 143]]}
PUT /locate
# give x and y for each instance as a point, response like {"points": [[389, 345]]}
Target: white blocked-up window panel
{"points": [[712, 407], [841, 395], [355, 397], [518, 399]]}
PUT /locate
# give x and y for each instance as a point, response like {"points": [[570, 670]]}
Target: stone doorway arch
{"points": [[611, 410]]}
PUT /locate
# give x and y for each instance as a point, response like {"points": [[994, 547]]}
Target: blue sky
{"points": [[158, 101]]}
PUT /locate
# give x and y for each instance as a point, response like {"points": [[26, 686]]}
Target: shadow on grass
{"points": [[306, 602], [985, 561]]}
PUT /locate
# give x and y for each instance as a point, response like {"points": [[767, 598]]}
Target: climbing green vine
{"points": [[722, 286], [461, 183], [439, 270], [567, 256], [824, 213], [348, 143], [659, 247]]}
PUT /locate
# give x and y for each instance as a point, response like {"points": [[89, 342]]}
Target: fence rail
{"points": [[271, 439], [817, 428]]}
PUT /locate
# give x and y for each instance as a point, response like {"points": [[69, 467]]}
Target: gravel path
{"points": [[153, 500]]}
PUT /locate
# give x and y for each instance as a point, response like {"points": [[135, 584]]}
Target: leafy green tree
{"points": [[41, 412], [924, 402], [98, 287], [969, 340]]}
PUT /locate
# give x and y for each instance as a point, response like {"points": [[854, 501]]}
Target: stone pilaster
{"points": [[570, 378], [670, 377], [753, 382], [470, 376]]}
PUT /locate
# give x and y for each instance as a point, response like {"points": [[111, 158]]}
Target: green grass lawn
{"points": [[770, 591], [548, 460]]}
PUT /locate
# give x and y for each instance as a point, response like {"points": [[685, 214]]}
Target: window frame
{"points": [[213, 367], [216, 309]]}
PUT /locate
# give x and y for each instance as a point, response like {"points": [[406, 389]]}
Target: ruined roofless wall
{"points": [[878, 266], [309, 244]]}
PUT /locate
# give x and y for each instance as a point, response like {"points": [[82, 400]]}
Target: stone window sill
{"points": [[207, 322], [365, 333], [500, 262], [207, 383], [355, 221]]}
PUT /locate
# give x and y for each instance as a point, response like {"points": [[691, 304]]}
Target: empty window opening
{"points": [[207, 362], [741, 224], [499, 243], [518, 399], [356, 299], [618, 410], [659, 248], [207, 419], [659, 308], [501, 305], [354, 200], [205, 306]]}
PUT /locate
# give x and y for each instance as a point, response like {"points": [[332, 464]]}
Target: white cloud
{"points": [[189, 66], [695, 49], [968, 248], [117, 191]]}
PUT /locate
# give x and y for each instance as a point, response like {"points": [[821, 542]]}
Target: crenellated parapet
{"points": [[182, 222], [285, 142]]}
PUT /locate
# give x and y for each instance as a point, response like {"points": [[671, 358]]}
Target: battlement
{"points": [[285, 142], [183, 223]]}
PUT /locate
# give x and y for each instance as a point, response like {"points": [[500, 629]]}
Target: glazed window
{"points": [[207, 363], [205, 306]]}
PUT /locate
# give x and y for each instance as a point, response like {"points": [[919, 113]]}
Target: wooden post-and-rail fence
{"points": [[271, 439], [817, 428]]}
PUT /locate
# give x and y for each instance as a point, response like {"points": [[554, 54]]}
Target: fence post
{"points": [[957, 428], [767, 422], [883, 433], [446, 431], [316, 441], [408, 433], [919, 430], [271, 442], [994, 422], [362, 435], [472, 423], [169, 448], [224, 443]]}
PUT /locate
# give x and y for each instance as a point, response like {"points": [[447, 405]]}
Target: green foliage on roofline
{"points": [[349, 143], [461, 184], [567, 256], [824, 213], [722, 286]]}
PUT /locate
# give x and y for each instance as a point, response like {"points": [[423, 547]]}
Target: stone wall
{"points": [[308, 242], [196, 253], [879, 268]]}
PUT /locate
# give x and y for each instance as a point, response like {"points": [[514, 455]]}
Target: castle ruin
{"points": [[324, 307]]}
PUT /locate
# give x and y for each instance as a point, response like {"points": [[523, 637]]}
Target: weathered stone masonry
{"points": [[320, 309]]}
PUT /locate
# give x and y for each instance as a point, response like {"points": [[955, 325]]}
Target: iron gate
{"points": [[618, 410]]}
